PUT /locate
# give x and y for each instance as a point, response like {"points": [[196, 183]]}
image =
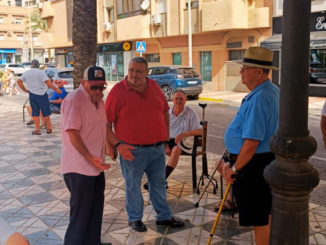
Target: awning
{"points": [[317, 40], [8, 51]]}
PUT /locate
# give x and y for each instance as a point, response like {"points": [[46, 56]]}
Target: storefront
{"points": [[8, 56], [64, 56], [317, 66], [114, 58]]}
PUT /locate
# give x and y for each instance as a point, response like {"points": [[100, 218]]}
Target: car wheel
{"points": [[167, 91]]}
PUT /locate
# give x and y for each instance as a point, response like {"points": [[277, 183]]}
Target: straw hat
{"points": [[258, 57], [186, 144]]}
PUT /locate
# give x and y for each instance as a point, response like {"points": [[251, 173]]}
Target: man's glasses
{"points": [[246, 68], [94, 88]]}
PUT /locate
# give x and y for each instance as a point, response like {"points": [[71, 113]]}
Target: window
{"points": [[236, 54], [317, 69], [2, 36], [1, 19], [110, 15], [17, 20], [127, 8], [162, 70], [151, 71], [20, 37], [35, 37], [193, 4], [152, 57], [19, 3], [160, 6], [65, 74]]}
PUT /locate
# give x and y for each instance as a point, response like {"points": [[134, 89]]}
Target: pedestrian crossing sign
{"points": [[141, 47]]}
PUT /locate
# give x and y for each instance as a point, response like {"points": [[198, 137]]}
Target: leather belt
{"points": [[150, 145]]}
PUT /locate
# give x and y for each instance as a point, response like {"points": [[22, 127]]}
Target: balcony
{"points": [[236, 14], [47, 11]]}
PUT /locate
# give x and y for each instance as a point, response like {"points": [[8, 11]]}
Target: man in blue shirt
{"points": [[56, 99], [247, 140]]}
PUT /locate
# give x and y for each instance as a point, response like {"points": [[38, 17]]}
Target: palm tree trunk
{"points": [[84, 33]]}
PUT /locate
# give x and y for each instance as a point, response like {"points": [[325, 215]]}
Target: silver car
{"points": [[65, 74]]}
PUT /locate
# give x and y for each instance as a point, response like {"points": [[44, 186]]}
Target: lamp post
{"points": [[30, 33], [189, 35], [291, 176]]}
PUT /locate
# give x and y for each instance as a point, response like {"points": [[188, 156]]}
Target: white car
{"points": [[16, 68]]}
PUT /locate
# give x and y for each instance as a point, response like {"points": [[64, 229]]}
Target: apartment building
{"points": [[15, 39], [221, 31], [317, 66]]}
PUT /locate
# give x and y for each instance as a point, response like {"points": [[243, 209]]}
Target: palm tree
{"points": [[84, 33], [37, 23]]}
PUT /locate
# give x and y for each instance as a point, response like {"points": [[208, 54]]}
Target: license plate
{"points": [[192, 82]]}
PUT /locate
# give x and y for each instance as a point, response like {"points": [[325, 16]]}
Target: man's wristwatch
{"points": [[233, 168]]}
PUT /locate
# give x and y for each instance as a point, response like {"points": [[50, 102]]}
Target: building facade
{"points": [[17, 42], [317, 65], [221, 31]]}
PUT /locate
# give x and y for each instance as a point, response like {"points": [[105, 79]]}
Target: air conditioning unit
{"points": [[9, 33], [39, 5], [144, 5], [157, 19], [107, 26]]}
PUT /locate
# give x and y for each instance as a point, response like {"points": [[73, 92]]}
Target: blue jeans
{"points": [[149, 160]]}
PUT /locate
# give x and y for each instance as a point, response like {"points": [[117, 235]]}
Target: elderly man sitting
{"points": [[184, 122]]}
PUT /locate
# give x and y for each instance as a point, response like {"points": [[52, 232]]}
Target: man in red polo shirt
{"points": [[138, 111]]}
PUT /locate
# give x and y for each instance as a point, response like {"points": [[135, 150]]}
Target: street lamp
{"points": [[30, 33], [189, 34]]}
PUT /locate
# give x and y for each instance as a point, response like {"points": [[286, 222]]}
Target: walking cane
{"points": [[210, 180], [218, 215]]}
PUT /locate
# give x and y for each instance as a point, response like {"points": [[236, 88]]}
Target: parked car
{"points": [[170, 78], [17, 69], [317, 73], [65, 74]]}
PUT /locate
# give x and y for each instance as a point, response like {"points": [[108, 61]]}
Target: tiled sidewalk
{"points": [[34, 199]]}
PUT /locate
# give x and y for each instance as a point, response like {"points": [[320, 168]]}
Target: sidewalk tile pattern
{"points": [[35, 201]]}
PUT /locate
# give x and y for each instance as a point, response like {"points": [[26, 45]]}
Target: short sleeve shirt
{"points": [[185, 121], [138, 118], [79, 113], [256, 119], [323, 111], [56, 96], [35, 81]]}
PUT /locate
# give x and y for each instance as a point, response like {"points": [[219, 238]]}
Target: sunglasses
{"points": [[101, 88]]}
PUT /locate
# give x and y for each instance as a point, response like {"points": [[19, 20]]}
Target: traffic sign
{"points": [[141, 47]]}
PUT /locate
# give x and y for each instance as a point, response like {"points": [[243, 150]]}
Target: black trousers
{"points": [[86, 209]]}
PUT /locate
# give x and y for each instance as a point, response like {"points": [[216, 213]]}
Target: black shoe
{"points": [[31, 122], [138, 226], [106, 243], [146, 186], [171, 222]]}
